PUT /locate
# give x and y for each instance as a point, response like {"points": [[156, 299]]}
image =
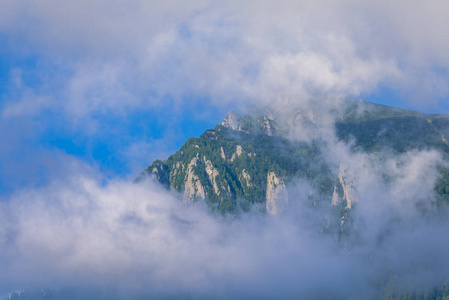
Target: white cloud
{"points": [[103, 58], [140, 238], [119, 53]]}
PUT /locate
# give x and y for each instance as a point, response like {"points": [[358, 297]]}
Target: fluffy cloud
{"points": [[122, 56]]}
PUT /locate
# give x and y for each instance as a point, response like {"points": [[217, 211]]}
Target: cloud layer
{"points": [[129, 238]]}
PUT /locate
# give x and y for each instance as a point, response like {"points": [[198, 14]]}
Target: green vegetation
{"points": [[441, 293], [379, 127], [260, 154], [442, 187]]}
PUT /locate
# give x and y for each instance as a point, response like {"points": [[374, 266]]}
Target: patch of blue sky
{"points": [[11, 61], [387, 96], [117, 132], [105, 150]]}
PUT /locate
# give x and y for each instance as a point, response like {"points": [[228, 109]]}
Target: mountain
{"points": [[248, 161], [242, 162]]}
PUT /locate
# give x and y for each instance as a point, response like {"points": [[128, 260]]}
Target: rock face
{"points": [[277, 197], [263, 123], [193, 186], [245, 178], [212, 173], [336, 198], [232, 121], [347, 192], [267, 126], [237, 153], [222, 154]]}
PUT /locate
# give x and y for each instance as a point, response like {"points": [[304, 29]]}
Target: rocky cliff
{"points": [[345, 189], [277, 196]]}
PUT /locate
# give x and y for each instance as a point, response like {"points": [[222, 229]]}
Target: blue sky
{"points": [[115, 87]]}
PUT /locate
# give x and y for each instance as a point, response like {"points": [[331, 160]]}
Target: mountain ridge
{"points": [[249, 160]]}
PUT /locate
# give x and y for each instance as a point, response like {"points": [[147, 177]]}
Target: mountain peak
{"points": [[256, 123], [233, 121]]}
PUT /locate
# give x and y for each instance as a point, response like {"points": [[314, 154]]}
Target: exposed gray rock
{"points": [[268, 128], [232, 121], [212, 173], [222, 153], [237, 153], [336, 199], [193, 187], [277, 197], [347, 181], [245, 178]]}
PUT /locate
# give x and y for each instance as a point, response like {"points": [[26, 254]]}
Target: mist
{"points": [[119, 238], [79, 79]]}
